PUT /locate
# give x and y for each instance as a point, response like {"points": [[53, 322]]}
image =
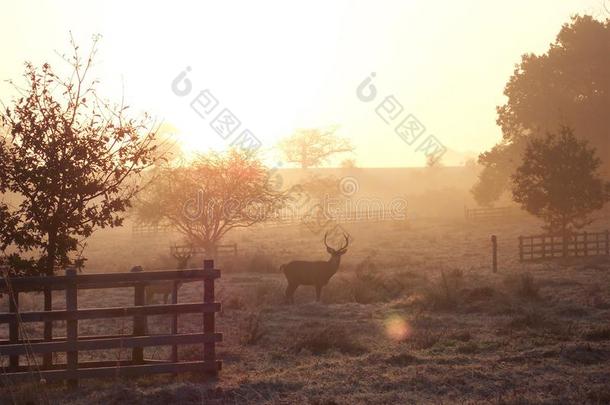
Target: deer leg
{"points": [[290, 293], [318, 292]]}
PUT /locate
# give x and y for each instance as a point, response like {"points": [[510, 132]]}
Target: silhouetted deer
{"points": [[165, 287], [317, 273]]}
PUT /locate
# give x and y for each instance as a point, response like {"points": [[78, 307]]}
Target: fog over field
{"points": [[305, 202]]}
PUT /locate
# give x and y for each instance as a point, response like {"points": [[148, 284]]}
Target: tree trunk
{"points": [[51, 252]]}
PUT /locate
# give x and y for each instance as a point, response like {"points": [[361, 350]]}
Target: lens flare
{"points": [[397, 328]]}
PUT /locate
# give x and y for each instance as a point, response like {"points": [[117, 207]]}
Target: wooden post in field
{"points": [[72, 325], [13, 331], [209, 352], [543, 246], [175, 320], [494, 250], [47, 358], [139, 322]]}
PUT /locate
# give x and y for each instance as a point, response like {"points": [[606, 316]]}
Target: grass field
{"points": [[414, 315]]}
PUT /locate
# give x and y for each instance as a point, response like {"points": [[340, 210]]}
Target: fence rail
{"points": [[542, 247], [150, 230], [227, 249], [18, 345], [292, 218], [485, 214]]}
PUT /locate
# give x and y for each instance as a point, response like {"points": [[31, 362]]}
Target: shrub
{"points": [[374, 286], [424, 338], [252, 332], [523, 285], [268, 293], [260, 262], [319, 341], [529, 319], [444, 294], [598, 334]]}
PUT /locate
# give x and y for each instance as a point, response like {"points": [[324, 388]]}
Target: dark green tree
{"points": [[568, 85], [559, 182]]}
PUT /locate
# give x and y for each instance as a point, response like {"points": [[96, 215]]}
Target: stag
{"points": [[316, 273]]}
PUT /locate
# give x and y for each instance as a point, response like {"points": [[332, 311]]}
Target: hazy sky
{"points": [[283, 65]]}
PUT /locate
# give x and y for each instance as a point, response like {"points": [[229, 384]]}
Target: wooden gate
{"points": [[541, 247], [18, 345]]}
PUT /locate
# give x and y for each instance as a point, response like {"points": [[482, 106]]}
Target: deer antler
{"points": [[346, 242], [342, 247]]}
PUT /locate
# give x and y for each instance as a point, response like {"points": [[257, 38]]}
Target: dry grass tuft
{"points": [[330, 338], [598, 334], [523, 285], [444, 294], [252, 331]]}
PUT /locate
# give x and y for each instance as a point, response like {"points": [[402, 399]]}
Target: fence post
{"points": [[139, 322], [175, 320], [543, 246], [520, 248], [72, 325], [494, 247], [47, 358], [209, 349], [13, 332]]}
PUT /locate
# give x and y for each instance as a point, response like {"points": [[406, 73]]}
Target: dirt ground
{"points": [[414, 315]]}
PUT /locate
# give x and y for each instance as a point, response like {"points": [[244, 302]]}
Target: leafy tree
{"points": [[349, 164], [214, 194], [321, 188], [567, 85], [312, 147], [558, 181], [70, 159]]}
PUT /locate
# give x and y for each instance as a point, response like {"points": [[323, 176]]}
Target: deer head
{"points": [[336, 253], [182, 254]]}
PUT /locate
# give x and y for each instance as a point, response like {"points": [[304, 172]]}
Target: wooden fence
{"points": [[541, 247], [486, 214], [148, 230], [229, 249], [72, 370], [321, 216]]}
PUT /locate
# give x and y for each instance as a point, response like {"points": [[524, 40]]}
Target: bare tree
{"points": [[312, 147], [214, 194]]}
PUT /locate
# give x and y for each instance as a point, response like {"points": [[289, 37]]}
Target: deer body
{"points": [[165, 288], [160, 287], [315, 273]]}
